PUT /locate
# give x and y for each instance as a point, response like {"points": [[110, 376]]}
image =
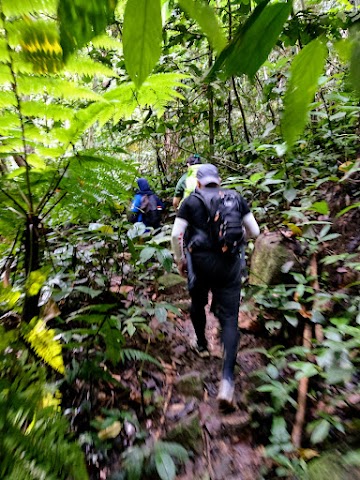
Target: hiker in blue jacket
{"points": [[146, 207], [210, 269]]}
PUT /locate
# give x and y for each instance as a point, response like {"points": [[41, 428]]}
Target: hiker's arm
{"points": [[177, 237], [176, 201], [135, 206], [179, 191], [251, 226]]}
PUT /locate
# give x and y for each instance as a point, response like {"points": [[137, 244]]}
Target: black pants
{"points": [[221, 274]]}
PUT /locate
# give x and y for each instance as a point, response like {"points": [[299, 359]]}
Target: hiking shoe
{"points": [[226, 394], [203, 351]]}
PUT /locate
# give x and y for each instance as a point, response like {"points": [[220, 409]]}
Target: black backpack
{"points": [[151, 214], [225, 222]]}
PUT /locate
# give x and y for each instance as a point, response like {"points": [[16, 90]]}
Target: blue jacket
{"points": [[144, 189]]}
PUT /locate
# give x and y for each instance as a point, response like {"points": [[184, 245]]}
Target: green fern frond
{"points": [[44, 450], [50, 152], [13, 145], [7, 99], [85, 66], [123, 97], [4, 52], [36, 109], [43, 341], [90, 182], [55, 87], [9, 122], [33, 133], [159, 89], [132, 354], [40, 46], [16, 8], [5, 74], [106, 114], [86, 117], [107, 43]]}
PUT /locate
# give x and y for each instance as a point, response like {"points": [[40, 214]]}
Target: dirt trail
{"points": [[226, 448]]}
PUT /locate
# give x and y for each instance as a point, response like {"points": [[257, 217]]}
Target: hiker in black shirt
{"points": [[211, 270]]}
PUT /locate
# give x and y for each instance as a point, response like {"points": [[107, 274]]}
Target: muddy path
{"points": [[222, 445], [228, 449]]}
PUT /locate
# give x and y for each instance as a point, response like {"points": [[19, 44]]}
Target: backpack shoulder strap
{"points": [[204, 201]]}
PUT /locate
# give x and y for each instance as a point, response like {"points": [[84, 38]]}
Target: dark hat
{"points": [[193, 160], [208, 173]]}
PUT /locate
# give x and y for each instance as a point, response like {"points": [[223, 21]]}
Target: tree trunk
{"points": [[210, 95], [32, 263]]}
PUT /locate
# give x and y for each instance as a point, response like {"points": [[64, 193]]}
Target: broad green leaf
{"points": [[160, 313], [305, 71], [88, 291], [253, 42], [292, 319], [146, 254], [81, 20], [205, 16], [142, 36], [279, 431], [320, 432], [290, 194], [355, 58], [36, 161], [164, 465], [320, 207], [16, 173]]}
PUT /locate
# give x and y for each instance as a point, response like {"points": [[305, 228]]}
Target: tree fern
{"points": [[92, 176]]}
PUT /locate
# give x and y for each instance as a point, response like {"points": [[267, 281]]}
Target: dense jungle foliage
{"points": [[94, 94]]}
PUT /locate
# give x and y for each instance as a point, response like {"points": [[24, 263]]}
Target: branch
{"points": [[58, 201], [50, 192], [20, 207], [241, 110], [296, 433]]}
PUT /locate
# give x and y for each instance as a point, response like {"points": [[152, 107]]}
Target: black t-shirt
{"points": [[196, 214]]}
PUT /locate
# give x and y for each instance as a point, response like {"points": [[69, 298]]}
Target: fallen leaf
{"points": [[110, 432], [308, 453]]}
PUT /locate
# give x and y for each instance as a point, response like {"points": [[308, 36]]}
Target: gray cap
{"points": [[208, 173]]}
